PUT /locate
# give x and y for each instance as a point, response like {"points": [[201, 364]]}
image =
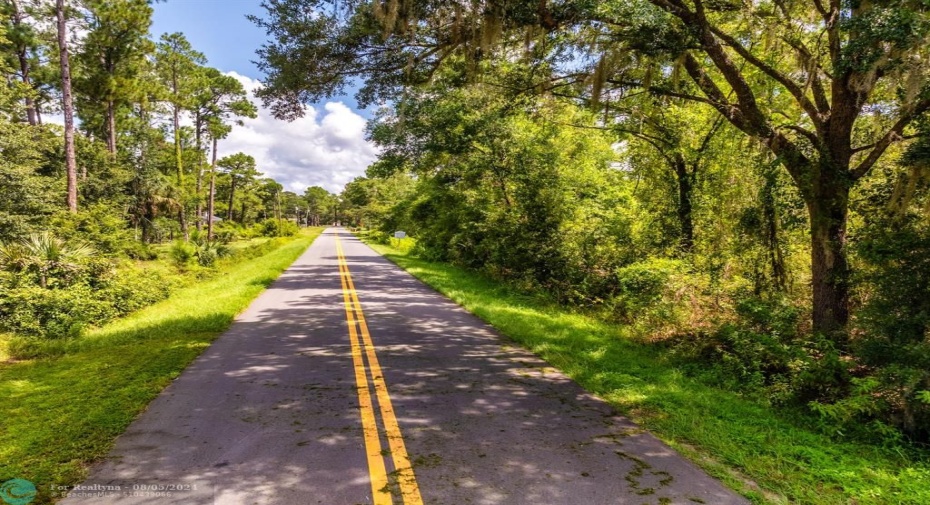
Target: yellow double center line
{"points": [[362, 348]]}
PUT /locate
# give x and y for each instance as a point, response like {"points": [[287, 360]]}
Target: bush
{"points": [[404, 245], [651, 293], [139, 251], [206, 256], [99, 225], [891, 341], [182, 253], [225, 233], [278, 228], [131, 289], [36, 312], [379, 237], [52, 313]]}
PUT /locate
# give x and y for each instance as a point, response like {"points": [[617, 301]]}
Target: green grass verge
{"points": [[59, 414], [763, 454]]}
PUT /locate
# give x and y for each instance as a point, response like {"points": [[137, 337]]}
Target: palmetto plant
{"points": [[42, 254]]}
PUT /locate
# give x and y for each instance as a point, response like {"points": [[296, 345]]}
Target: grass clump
{"points": [[767, 455], [59, 414]]}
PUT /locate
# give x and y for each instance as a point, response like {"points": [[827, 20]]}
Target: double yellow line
{"points": [[362, 348]]}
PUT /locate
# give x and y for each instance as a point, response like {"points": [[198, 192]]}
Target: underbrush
{"points": [[53, 290]]}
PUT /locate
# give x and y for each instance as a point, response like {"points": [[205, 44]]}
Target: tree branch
{"points": [[803, 131], [890, 137], [751, 116], [717, 99], [673, 94], [796, 91]]}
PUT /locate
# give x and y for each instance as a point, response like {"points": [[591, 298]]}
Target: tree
{"points": [[827, 135], [112, 57], [683, 138], [270, 192], [67, 105], [177, 62], [21, 43], [318, 200], [827, 87], [220, 97], [241, 170]]}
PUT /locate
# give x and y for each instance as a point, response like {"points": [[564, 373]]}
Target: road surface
{"points": [[350, 382]]}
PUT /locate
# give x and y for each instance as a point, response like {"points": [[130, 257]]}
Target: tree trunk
{"points": [[828, 209], [182, 220], [17, 19], [177, 146], [197, 128], [210, 201], [30, 103], [111, 127], [232, 195], [685, 181], [67, 106]]}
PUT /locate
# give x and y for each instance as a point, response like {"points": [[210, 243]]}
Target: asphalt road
{"points": [[369, 387]]}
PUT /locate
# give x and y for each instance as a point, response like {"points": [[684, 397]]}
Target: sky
{"points": [[326, 147]]}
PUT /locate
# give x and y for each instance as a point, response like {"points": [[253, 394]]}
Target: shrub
{"points": [[206, 256], [36, 313], [131, 289], [52, 313], [139, 251], [182, 253], [379, 237], [225, 233], [405, 244], [99, 225], [278, 228], [651, 293]]}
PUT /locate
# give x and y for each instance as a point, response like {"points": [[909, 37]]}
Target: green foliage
{"points": [[278, 228], [208, 253], [27, 197], [51, 313], [182, 253], [405, 245], [206, 257], [140, 251], [378, 237], [648, 290], [98, 293], [99, 225], [225, 232]]}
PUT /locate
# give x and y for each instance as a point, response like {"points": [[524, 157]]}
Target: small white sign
{"points": [[400, 234]]}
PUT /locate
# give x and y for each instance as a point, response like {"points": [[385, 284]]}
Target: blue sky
{"points": [[217, 28], [325, 148]]}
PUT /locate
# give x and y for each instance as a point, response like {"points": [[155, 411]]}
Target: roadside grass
{"points": [[768, 456], [59, 414]]}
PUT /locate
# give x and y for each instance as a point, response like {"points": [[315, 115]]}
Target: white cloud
{"points": [[324, 148]]}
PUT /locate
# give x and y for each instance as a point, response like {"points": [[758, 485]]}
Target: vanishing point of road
{"points": [[350, 382]]}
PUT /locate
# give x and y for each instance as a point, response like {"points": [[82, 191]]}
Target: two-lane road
{"points": [[348, 381]]}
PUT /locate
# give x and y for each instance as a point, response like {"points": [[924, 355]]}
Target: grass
{"points": [[767, 456], [60, 414]]}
